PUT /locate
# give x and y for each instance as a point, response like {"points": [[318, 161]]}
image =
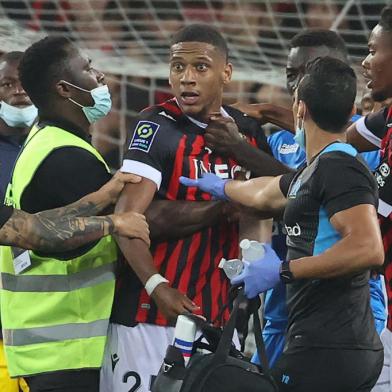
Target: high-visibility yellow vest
{"points": [[55, 314]]}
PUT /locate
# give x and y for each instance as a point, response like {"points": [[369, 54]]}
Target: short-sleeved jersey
{"points": [[286, 150], [165, 145], [377, 129], [333, 313]]}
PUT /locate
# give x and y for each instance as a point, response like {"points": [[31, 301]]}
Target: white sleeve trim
{"points": [[366, 133], [143, 170]]}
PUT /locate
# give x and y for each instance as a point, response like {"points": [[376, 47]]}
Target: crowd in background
{"points": [[257, 32]]}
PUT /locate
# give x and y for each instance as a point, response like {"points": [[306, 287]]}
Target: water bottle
{"points": [[251, 251], [184, 336], [231, 267]]}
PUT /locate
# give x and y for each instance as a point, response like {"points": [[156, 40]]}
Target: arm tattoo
{"points": [[55, 230]]}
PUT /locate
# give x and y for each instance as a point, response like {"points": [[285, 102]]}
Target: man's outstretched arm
{"points": [[74, 225], [269, 113], [263, 193]]}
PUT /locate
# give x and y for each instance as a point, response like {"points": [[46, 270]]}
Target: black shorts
{"points": [[328, 370], [65, 381]]}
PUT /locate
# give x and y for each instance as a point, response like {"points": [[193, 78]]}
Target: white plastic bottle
{"points": [[231, 267], [184, 336], [251, 250]]}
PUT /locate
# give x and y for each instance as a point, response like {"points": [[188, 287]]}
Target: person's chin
{"points": [[191, 110], [380, 95]]}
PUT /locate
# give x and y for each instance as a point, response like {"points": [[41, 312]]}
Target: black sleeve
{"points": [[66, 175], [375, 122], [285, 182], [5, 214], [343, 182]]}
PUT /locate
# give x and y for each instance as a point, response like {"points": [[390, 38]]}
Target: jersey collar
{"points": [[199, 123]]}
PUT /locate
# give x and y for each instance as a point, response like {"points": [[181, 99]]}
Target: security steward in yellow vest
{"points": [[56, 307]]}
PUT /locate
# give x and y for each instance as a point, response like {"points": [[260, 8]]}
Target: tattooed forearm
{"points": [[49, 231]]}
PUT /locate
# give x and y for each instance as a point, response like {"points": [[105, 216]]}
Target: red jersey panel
{"points": [[165, 145]]}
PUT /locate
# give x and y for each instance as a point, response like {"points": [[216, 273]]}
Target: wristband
{"points": [[153, 281], [286, 276]]}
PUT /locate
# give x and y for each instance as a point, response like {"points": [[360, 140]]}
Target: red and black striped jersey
{"points": [[165, 145], [377, 128]]}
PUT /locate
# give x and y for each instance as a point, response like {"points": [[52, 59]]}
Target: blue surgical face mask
{"points": [[18, 117], [300, 137], [102, 102]]}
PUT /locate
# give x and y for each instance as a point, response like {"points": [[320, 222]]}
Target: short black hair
{"points": [[199, 32], [328, 89], [11, 57], [386, 18], [319, 37], [42, 63]]}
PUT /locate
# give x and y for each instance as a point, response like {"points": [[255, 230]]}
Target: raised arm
{"points": [[269, 113], [366, 133], [222, 136]]}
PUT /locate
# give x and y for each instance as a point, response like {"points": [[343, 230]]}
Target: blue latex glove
{"points": [[259, 275], [209, 183]]}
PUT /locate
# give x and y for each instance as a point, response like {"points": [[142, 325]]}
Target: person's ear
{"points": [[301, 111], [227, 73], [63, 89]]}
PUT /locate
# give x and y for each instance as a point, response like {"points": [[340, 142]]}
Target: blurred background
{"points": [[129, 41]]}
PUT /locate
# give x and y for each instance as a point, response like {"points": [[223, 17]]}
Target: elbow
{"points": [[373, 253], [379, 258]]}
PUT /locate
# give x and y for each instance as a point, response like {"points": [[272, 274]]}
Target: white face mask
{"points": [[102, 102], [18, 117]]}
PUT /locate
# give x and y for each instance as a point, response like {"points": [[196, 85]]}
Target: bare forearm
{"points": [[137, 198], [186, 218], [279, 116], [51, 231], [134, 251], [348, 256], [258, 162], [89, 205], [248, 193]]}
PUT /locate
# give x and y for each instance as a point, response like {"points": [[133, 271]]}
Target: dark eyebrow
{"points": [[8, 78]]}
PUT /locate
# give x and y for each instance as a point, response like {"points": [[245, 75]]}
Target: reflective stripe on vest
{"points": [[55, 314], [55, 283], [21, 337]]}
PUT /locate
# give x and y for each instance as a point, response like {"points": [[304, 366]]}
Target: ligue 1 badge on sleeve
{"points": [[144, 135]]}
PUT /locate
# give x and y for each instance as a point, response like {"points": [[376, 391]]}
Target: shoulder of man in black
{"points": [[343, 181], [63, 177], [249, 127]]}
